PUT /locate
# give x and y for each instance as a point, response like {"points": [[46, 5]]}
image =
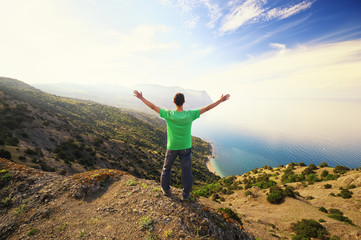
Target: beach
{"points": [[209, 160]]}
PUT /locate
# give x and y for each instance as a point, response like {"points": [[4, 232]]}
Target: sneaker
{"points": [[185, 199], [166, 193]]}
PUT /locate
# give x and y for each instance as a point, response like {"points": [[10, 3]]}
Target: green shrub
{"points": [[288, 191], [146, 223], [63, 226], [323, 164], [301, 164], [207, 190], [292, 164], [168, 233], [321, 220], [20, 209], [248, 193], [338, 215], [290, 176], [231, 214], [5, 154], [327, 186], [276, 195], [263, 181], [322, 209], [324, 173], [32, 232], [6, 202], [6, 177], [331, 177], [11, 141], [268, 167], [334, 237], [301, 237], [341, 218], [307, 171], [312, 177], [215, 196], [335, 211], [309, 228], [312, 166], [345, 193], [30, 151], [131, 182], [341, 169]]}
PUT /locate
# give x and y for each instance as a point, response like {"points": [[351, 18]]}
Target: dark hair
{"points": [[179, 99]]}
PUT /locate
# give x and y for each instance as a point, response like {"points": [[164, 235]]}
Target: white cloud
{"points": [[278, 46], [253, 11], [214, 13], [187, 9], [192, 21], [317, 71], [281, 13], [240, 14]]}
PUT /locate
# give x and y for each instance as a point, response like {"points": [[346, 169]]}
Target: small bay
{"points": [[308, 131]]}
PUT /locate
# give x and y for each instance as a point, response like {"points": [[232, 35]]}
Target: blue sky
{"points": [[253, 48]]}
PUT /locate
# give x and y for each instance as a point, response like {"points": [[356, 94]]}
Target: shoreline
{"points": [[209, 164]]}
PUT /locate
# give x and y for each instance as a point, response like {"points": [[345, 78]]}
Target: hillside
{"points": [[82, 170], [308, 192], [101, 204], [69, 136]]}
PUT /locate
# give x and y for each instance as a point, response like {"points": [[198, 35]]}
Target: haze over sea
{"points": [[274, 132]]}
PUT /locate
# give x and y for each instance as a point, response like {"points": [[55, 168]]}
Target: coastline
{"points": [[209, 164]]}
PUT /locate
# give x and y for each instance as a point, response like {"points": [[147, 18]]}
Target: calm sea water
{"points": [[274, 132]]}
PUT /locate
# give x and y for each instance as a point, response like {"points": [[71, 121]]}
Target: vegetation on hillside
{"points": [[307, 229], [265, 178], [67, 135]]}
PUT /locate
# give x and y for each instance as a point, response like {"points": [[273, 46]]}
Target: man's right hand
{"points": [[146, 102], [138, 94]]}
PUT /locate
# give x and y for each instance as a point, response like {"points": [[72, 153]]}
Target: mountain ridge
{"points": [[121, 96], [69, 135]]}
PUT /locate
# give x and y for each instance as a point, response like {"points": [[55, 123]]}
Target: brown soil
{"points": [[273, 221], [101, 204]]}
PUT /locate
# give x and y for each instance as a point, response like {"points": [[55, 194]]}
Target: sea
{"points": [[276, 132]]}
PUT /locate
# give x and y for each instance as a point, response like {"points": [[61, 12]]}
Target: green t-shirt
{"points": [[179, 125]]}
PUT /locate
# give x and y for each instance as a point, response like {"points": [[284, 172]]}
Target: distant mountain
{"points": [[121, 96], [68, 135]]}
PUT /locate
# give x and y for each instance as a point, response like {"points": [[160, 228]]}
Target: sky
{"points": [[252, 49]]}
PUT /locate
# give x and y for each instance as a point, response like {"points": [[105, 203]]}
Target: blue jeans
{"points": [[186, 164]]}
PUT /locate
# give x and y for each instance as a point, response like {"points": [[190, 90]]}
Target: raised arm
{"points": [[146, 102], [213, 105]]}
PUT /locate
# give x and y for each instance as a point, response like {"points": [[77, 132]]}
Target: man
{"points": [[179, 124]]}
